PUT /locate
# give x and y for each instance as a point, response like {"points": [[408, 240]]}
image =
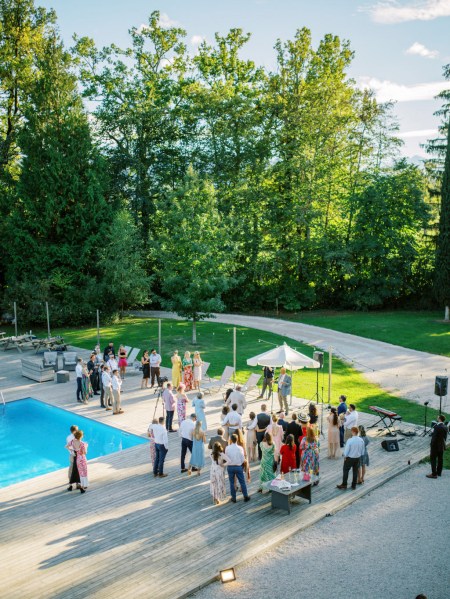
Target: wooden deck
{"points": [[135, 536]]}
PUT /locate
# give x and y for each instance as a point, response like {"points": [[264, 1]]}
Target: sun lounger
{"points": [[218, 385], [127, 349], [251, 383], [205, 376]]}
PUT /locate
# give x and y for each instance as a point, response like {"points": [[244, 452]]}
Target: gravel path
{"points": [[391, 544], [403, 372]]}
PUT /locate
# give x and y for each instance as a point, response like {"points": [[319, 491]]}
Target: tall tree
{"points": [[442, 272]]}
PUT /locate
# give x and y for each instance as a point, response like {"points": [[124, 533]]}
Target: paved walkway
{"points": [[403, 372]]}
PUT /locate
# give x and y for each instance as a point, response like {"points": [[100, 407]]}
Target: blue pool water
{"points": [[33, 435]]}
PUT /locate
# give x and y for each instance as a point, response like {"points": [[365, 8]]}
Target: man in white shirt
{"points": [[161, 447], [186, 431], [233, 420], [350, 420], [116, 383], [169, 404], [69, 448], [155, 362], [79, 375], [238, 398], [353, 451], [107, 389], [236, 458]]}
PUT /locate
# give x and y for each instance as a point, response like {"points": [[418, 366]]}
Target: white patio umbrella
{"points": [[283, 356]]}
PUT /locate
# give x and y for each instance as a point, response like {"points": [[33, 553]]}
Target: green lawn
{"points": [[424, 331], [215, 341]]}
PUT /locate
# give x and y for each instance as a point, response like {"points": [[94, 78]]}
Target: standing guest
{"points": [[237, 397], [313, 413], [333, 434], [152, 441], [86, 388], [438, 445], [309, 447], [93, 373], [219, 438], [342, 409], [364, 460], [232, 420], [109, 349], [353, 450], [198, 403], [122, 362], [198, 363], [99, 366], [113, 363], [277, 435], [145, 361], [198, 449], [107, 388], [155, 370], [295, 429], [169, 404], [69, 448], [284, 390], [187, 370], [268, 373], [161, 447], [266, 472], [186, 432], [350, 420], [176, 369], [225, 411], [288, 453], [80, 449], [217, 473], [241, 443], [262, 422], [283, 423], [251, 437], [79, 375], [236, 458], [182, 401], [304, 423], [116, 383]]}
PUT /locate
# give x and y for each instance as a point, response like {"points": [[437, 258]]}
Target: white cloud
{"points": [[196, 40], [390, 11], [421, 50], [388, 90], [165, 21], [420, 133]]}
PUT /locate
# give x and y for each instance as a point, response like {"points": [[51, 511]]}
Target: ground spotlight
{"points": [[228, 575]]}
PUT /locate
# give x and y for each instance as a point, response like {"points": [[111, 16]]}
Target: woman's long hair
{"points": [[217, 451], [198, 432], [335, 417], [290, 441]]}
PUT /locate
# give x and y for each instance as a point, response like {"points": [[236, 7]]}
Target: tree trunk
{"points": [[447, 313], [194, 332]]}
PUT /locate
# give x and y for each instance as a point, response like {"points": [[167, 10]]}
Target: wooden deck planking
{"points": [[137, 536]]}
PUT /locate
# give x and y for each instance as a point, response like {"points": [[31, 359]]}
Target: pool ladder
{"points": [[2, 398]]}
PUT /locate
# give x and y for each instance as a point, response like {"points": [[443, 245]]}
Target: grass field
{"points": [[215, 342], [424, 331]]}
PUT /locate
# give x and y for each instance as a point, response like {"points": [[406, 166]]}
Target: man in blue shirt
{"points": [[354, 449], [342, 408]]}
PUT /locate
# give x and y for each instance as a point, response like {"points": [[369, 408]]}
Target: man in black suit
{"points": [[262, 422], [218, 439], [437, 447]]}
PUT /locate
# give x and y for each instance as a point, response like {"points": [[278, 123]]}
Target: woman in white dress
{"points": [[217, 474], [198, 363]]}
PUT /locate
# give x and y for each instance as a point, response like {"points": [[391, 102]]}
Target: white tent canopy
{"points": [[283, 356]]}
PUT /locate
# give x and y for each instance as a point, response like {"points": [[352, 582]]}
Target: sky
{"points": [[400, 46]]}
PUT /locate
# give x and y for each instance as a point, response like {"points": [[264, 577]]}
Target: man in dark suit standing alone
{"points": [[437, 447]]}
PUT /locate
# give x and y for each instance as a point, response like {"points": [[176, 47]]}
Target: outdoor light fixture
{"points": [[228, 575]]}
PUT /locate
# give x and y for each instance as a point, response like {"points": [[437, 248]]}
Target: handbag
{"points": [[275, 465]]}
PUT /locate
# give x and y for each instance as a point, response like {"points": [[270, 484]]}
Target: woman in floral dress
{"points": [[86, 387], [182, 402], [187, 371], [309, 447], [152, 441], [80, 449], [217, 474], [266, 472], [176, 369]]}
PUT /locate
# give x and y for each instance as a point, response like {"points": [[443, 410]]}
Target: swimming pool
{"points": [[33, 435]]}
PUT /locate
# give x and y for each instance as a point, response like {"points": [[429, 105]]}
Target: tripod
{"points": [[158, 397], [425, 432]]}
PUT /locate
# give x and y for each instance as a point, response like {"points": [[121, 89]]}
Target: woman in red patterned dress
{"points": [[80, 449]]}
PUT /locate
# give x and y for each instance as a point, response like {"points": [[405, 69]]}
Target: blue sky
{"points": [[400, 46]]}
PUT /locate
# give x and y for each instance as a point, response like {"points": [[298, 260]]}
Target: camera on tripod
{"points": [[161, 380]]}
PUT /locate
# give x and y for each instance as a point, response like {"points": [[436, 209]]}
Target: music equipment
{"points": [[441, 386], [384, 417], [391, 445], [318, 357]]}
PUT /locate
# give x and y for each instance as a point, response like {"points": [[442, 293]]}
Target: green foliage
{"points": [[442, 273]]}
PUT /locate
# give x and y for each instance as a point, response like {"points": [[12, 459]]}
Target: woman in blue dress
{"points": [[198, 449], [199, 404]]}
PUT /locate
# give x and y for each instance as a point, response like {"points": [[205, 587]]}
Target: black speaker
{"points": [[391, 445], [318, 357], [441, 386]]}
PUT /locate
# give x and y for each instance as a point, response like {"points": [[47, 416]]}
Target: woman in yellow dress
{"points": [[176, 369]]}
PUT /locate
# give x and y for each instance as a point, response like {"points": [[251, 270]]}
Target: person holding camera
{"points": [[438, 445]]}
